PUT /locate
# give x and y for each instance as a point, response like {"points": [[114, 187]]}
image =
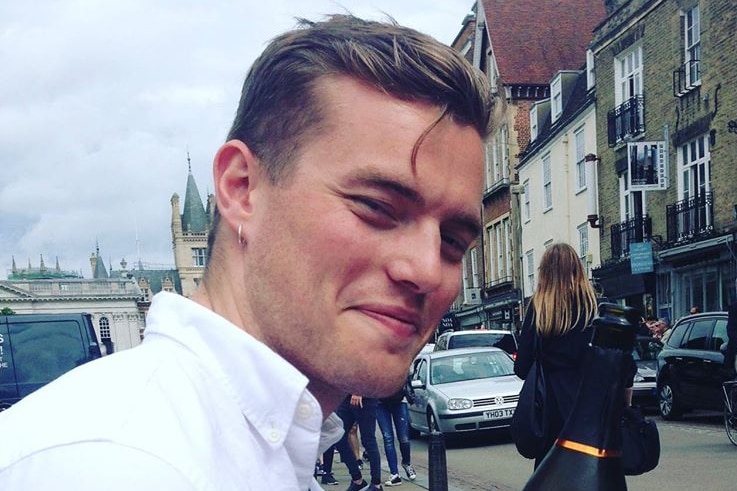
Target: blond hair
{"points": [[564, 296]]}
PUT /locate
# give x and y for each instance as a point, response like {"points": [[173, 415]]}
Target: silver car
{"points": [[465, 389]]}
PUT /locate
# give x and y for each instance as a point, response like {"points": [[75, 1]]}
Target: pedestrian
{"points": [[346, 194], [327, 476], [694, 310], [393, 416], [560, 313], [360, 410]]}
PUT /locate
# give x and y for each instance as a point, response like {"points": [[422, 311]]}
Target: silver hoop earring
{"points": [[241, 240]]}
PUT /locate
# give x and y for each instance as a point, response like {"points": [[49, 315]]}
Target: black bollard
{"points": [[438, 467]]}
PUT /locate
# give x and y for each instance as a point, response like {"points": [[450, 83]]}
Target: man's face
{"points": [[352, 262]]}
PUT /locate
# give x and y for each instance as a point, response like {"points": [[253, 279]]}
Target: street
{"points": [[695, 454]]}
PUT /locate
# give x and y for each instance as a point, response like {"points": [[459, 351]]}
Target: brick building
{"points": [[520, 49], [666, 76]]}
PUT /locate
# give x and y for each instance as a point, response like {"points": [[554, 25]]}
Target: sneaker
{"points": [[363, 485], [377, 487], [411, 474], [318, 469], [394, 480], [328, 478]]}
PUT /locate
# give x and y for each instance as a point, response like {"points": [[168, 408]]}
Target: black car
{"points": [[37, 348], [691, 365]]}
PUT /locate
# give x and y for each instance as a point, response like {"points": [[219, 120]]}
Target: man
{"points": [[355, 409], [347, 194]]}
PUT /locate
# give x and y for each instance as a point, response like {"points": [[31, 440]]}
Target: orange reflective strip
{"points": [[588, 449]]}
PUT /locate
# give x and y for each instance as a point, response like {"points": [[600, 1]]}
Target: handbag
{"points": [[640, 442], [530, 423]]}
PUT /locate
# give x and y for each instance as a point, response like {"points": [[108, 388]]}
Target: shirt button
{"points": [[274, 436], [304, 411]]}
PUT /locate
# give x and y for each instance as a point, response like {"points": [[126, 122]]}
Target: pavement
{"points": [[340, 472]]}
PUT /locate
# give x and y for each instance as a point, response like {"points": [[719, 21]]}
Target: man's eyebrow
{"points": [[378, 180]]}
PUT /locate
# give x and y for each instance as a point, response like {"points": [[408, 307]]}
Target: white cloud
{"points": [[100, 101]]}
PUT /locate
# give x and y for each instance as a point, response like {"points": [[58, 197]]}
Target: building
{"points": [[189, 230], [557, 183], [112, 302], [518, 47], [666, 77]]}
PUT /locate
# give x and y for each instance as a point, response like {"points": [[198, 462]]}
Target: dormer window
{"points": [[533, 123], [556, 99]]}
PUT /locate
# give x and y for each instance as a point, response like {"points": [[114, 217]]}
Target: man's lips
{"points": [[402, 321]]}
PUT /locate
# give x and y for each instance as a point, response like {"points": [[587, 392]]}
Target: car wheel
{"points": [[432, 422], [413, 433], [668, 404]]}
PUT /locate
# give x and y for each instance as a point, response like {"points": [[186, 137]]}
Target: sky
{"points": [[101, 101]]}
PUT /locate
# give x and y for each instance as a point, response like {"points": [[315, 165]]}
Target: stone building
{"points": [[189, 230], [111, 301], [666, 76]]}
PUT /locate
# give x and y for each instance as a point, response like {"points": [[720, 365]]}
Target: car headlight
{"points": [[455, 404]]}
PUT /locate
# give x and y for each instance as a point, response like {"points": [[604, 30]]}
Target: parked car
{"points": [[462, 390], [478, 337], [691, 365], [37, 348], [644, 388]]}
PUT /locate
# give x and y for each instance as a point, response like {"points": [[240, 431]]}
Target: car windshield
{"points": [[470, 366]]}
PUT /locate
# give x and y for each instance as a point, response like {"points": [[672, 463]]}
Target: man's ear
{"points": [[235, 175]]}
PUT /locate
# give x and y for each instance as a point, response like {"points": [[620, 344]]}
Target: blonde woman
{"points": [[560, 312]]}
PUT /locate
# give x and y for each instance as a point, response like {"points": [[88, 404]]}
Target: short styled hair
{"points": [[280, 110]]}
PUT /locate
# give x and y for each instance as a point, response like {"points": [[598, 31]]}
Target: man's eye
{"points": [[375, 211], [454, 247]]}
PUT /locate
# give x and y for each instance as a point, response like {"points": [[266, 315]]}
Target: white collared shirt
{"points": [[199, 405]]}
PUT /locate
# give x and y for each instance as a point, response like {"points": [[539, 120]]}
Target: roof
{"points": [[194, 218], [533, 39]]}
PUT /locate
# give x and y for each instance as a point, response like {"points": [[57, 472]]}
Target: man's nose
{"points": [[417, 261]]}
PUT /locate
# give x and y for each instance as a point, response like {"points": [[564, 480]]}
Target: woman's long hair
{"points": [[564, 295]]}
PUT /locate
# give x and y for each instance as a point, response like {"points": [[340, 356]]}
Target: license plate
{"points": [[499, 413]]}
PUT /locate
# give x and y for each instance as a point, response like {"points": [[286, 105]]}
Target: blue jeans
{"points": [[391, 416], [366, 418]]}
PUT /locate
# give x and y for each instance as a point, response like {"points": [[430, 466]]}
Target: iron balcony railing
{"points": [[637, 229], [686, 77], [690, 218], [626, 120]]}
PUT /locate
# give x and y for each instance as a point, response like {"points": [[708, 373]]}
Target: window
{"points": [[500, 156], [580, 162], [199, 256], [692, 43], [694, 160], [499, 250], [583, 244], [547, 184], [556, 99], [474, 268], [590, 74], [631, 203], [526, 201], [628, 75], [530, 267], [104, 328], [533, 123], [699, 334]]}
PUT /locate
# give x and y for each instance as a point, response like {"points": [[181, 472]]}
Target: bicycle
{"points": [[729, 390]]}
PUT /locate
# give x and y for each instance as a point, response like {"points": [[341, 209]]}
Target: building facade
{"points": [[557, 192], [666, 76], [519, 49]]}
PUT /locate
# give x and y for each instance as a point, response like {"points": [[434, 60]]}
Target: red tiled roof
{"points": [[533, 39]]}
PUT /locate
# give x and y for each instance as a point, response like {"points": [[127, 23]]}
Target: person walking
{"points": [[392, 414], [361, 410], [559, 313], [346, 195]]}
